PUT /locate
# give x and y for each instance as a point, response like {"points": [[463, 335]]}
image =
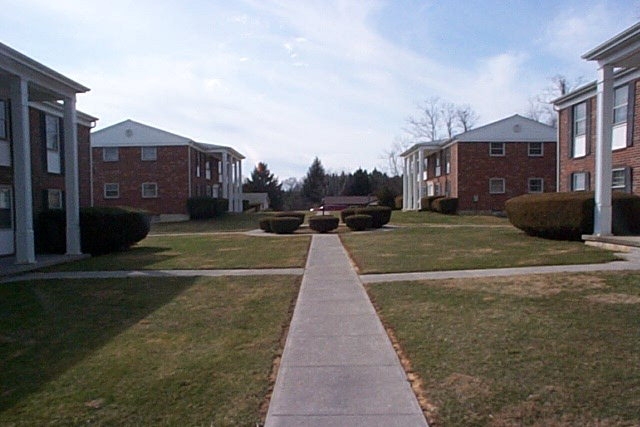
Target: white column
{"points": [[234, 184], [225, 176], [240, 184], [25, 248], [410, 181], [405, 184], [71, 185], [604, 125], [420, 175], [416, 183]]}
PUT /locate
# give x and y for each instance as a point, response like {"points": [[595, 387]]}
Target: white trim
{"points": [[148, 157], [624, 179], [116, 190], [535, 179], [149, 184], [494, 180], [107, 158], [58, 197], [503, 149], [541, 149]]}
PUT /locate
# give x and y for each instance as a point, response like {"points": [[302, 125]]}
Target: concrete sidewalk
{"points": [[338, 367]]}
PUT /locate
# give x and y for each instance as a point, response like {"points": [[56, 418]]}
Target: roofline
{"points": [[460, 136], [216, 149], [614, 43], [589, 89], [437, 144], [24, 61], [58, 108]]}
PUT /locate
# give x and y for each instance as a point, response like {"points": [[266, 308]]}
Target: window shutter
{"points": [[570, 131], [588, 126], [61, 145], [630, 112], [588, 181], [43, 141], [628, 183], [63, 200]]}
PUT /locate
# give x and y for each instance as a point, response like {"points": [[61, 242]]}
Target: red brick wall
{"points": [[476, 167], [626, 157], [84, 165], [169, 171]]}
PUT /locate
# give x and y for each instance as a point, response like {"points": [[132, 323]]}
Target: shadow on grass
{"points": [[134, 258], [48, 327]]}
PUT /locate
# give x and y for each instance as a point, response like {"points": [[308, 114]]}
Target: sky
{"points": [[284, 81]]}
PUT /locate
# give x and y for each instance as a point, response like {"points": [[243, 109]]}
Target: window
{"points": [[425, 172], [579, 130], [52, 133], [496, 186], [5, 208], [436, 189], [438, 167], [209, 192], [197, 164], [148, 154], [447, 161], [536, 185], [620, 102], [110, 154], [207, 169], [54, 199], [219, 171], [496, 149], [149, 190], [535, 149], [580, 181], [5, 146], [621, 179], [447, 188], [112, 190]]}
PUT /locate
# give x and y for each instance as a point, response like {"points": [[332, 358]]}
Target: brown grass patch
{"points": [[466, 386], [614, 298]]}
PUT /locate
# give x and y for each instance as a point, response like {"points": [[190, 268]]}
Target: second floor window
{"points": [[149, 190], [620, 105], [496, 149], [110, 154], [149, 153], [535, 149], [579, 148]]}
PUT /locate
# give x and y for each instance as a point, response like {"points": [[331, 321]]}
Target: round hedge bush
{"points": [[265, 225], [284, 224], [299, 215], [380, 215], [358, 222], [323, 224]]}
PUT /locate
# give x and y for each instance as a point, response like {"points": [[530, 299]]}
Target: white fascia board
{"points": [[56, 109], [588, 91]]}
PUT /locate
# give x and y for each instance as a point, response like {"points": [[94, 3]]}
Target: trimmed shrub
{"points": [[358, 222], [445, 205], [380, 215], [284, 224], [399, 202], [567, 216], [323, 223], [386, 197], [299, 215], [265, 225], [102, 230], [206, 207], [426, 203]]}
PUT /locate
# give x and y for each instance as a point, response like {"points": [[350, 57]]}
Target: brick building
{"points": [[144, 167], [599, 133], [44, 152], [483, 167]]}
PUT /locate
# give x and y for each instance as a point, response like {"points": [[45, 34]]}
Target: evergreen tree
{"points": [[263, 181], [358, 184], [314, 184]]}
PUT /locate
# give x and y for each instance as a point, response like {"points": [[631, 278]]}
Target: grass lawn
{"points": [[220, 251], [227, 222], [169, 351], [427, 218], [539, 350], [414, 248]]}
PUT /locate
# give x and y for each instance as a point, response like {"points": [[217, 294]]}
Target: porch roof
{"points": [[623, 50]]}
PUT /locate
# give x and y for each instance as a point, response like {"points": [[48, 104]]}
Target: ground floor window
{"points": [[6, 221], [621, 179], [149, 190], [54, 199], [496, 186], [580, 181], [111, 190], [536, 185]]}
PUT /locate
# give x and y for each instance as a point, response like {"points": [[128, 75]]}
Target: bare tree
{"points": [[393, 160], [426, 125], [466, 116], [540, 106], [449, 118]]}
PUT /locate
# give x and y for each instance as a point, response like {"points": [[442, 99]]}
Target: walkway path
{"points": [[338, 367]]}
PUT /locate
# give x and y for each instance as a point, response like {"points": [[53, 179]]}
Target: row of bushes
{"points": [[206, 207], [102, 230], [567, 216], [440, 204]]}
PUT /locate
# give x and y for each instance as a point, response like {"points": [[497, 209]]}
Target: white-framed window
{"points": [[149, 190], [536, 185], [619, 131], [619, 178], [112, 190], [496, 149], [430, 189], [220, 171], [215, 191], [447, 188], [579, 146], [148, 154], [110, 154], [54, 199], [5, 145], [52, 142], [209, 191], [438, 166], [197, 164], [207, 169], [536, 149], [579, 181], [447, 161], [6, 216], [496, 185], [436, 188]]}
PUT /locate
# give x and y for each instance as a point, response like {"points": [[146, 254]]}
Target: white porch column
{"points": [[410, 187], [225, 176], [416, 184], [72, 189], [604, 125], [405, 184], [239, 185], [420, 174], [25, 248]]}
